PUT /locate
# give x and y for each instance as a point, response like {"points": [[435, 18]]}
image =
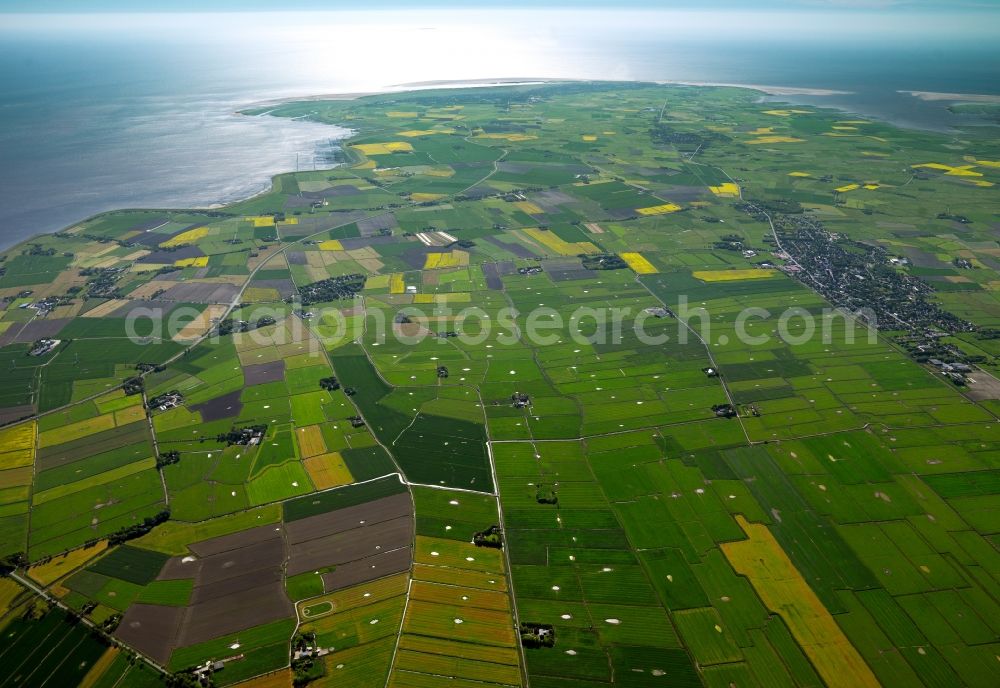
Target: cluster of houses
{"points": [[520, 400], [43, 307], [204, 672], [249, 436], [165, 402], [659, 311], [956, 372], [309, 652], [43, 346]]}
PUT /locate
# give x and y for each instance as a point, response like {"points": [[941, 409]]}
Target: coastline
{"points": [[767, 92], [529, 81], [766, 89], [934, 96], [414, 86]]}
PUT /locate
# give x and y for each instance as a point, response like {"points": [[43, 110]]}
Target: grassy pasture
{"points": [[630, 510], [782, 587], [48, 649], [139, 566]]}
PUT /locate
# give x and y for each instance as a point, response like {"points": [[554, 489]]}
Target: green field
{"points": [[475, 337]]}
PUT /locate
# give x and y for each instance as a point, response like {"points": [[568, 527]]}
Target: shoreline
{"points": [[769, 90], [530, 81], [766, 90], [412, 86], [936, 97]]}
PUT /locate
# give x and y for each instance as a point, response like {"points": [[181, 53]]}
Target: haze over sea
{"points": [[109, 111]]}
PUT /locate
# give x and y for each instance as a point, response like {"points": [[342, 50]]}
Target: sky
{"points": [[894, 6], [920, 22]]}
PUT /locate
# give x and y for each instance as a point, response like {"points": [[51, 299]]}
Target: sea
{"points": [[99, 112]]}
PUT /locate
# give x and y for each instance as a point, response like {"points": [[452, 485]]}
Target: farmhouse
{"points": [[165, 402], [724, 410], [43, 346]]}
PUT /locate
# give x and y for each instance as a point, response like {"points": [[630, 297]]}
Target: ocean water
{"points": [[110, 111]]}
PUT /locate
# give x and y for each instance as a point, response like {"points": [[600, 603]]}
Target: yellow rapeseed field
{"points": [[384, 148], [960, 171], [261, 220], [638, 262], [188, 237], [397, 284], [56, 568], [799, 174], [529, 207], [397, 114], [328, 470], [732, 275], [433, 261], [199, 262], [726, 189], [17, 445], [414, 133], [564, 248], [507, 137], [785, 592], [451, 259], [425, 197], [331, 245], [775, 139], [662, 209]]}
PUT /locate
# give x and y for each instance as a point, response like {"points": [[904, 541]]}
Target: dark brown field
{"points": [[68, 452], [226, 406], [261, 373], [351, 545], [368, 569], [239, 578], [237, 585], [151, 629]]}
